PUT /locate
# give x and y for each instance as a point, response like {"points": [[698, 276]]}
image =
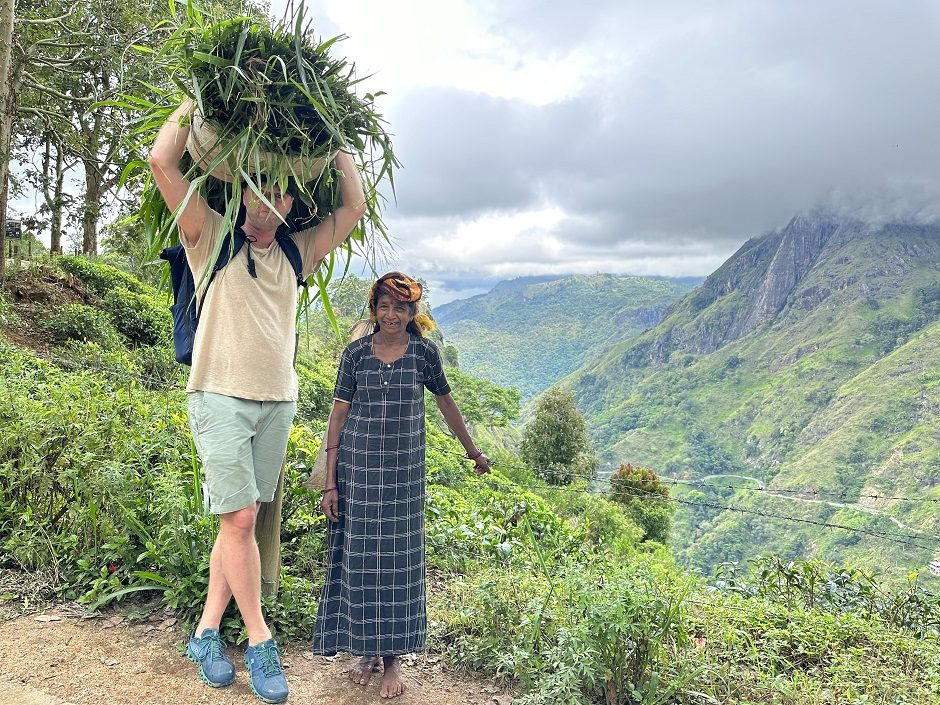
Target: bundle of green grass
{"points": [[271, 102]]}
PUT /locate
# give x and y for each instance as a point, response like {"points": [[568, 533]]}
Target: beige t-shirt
{"points": [[244, 344]]}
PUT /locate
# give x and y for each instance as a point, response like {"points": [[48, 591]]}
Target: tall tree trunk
{"points": [[6, 118], [92, 208], [55, 241], [52, 181]]}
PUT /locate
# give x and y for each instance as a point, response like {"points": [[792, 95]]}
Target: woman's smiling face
{"points": [[392, 316]]}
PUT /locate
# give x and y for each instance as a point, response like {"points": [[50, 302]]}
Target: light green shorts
{"points": [[242, 444]]}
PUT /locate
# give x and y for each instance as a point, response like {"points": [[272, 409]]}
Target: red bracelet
{"points": [[329, 448], [330, 489], [479, 454]]}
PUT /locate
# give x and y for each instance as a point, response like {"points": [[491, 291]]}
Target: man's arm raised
{"points": [[165, 155], [336, 227]]}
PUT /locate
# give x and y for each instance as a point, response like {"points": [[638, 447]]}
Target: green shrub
{"points": [[316, 376], [100, 278], [8, 316], [142, 319], [605, 528], [644, 499], [80, 322], [822, 585], [157, 367], [754, 649], [580, 634]]}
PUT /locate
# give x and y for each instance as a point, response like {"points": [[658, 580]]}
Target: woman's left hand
{"points": [[481, 465], [329, 503]]}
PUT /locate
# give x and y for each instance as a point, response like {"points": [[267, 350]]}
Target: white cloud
{"points": [[411, 44]]}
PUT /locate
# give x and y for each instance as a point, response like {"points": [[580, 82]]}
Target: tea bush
{"points": [[822, 585], [575, 634], [100, 278], [80, 322], [143, 319]]}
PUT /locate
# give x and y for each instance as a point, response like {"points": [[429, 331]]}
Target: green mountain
{"points": [[530, 332], [809, 361]]}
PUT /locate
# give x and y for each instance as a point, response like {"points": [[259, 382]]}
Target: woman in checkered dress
{"points": [[373, 602]]}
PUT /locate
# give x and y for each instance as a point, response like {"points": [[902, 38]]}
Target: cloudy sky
{"points": [[555, 136], [654, 137]]}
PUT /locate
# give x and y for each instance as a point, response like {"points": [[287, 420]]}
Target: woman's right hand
{"points": [[329, 503]]}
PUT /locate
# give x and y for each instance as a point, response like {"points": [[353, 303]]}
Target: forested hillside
{"points": [[808, 362], [528, 333], [550, 588]]}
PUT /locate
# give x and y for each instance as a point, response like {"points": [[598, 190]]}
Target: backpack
{"points": [[184, 309]]}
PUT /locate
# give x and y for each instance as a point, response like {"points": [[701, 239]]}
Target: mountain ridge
{"points": [[489, 330], [793, 364]]}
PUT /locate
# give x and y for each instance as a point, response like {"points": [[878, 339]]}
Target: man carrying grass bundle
{"points": [[243, 387]]}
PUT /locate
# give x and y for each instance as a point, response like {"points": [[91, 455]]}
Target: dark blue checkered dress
{"points": [[373, 603]]}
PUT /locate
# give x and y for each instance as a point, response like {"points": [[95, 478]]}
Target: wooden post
{"points": [[268, 535]]}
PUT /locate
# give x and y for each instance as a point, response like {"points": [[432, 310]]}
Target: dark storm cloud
{"points": [[702, 122]]}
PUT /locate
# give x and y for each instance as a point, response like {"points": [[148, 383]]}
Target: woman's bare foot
{"points": [[393, 683], [362, 672]]}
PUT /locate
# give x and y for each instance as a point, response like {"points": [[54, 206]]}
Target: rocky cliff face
{"points": [[802, 242], [746, 292]]}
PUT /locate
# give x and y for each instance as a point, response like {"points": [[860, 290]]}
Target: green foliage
{"points": [[490, 519], [482, 402], [99, 278], [136, 311], [310, 102], [316, 375], [571, 635], [124, 246], [87, 471], [645, 500], [143, 319], [604, 526], [821, 585], [761, 651], [555, 440], [8, 316], [81, 322]]}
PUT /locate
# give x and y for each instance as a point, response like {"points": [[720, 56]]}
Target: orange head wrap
{"points": [[400, 287]]}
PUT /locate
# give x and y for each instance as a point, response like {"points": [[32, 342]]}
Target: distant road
{"points": [[796, 498]]}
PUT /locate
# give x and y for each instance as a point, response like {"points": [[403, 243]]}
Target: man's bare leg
{"points": [[362, 672], [219, 592], [241, 565], [393, 682]]}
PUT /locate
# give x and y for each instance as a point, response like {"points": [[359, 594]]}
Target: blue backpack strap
{"points": [[292, 252]]}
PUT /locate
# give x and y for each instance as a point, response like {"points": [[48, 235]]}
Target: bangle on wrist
{"points": [[329, 448], [330, 489], [475, 456]]}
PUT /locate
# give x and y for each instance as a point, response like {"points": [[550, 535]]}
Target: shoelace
{"points": [[270, 665], [215, 648]]}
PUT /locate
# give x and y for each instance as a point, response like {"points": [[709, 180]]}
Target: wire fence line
{"points": [[914, 540], [666, 480]]}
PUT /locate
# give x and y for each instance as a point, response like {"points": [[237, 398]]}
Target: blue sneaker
{"points": [[215, 668], [265, 673]]}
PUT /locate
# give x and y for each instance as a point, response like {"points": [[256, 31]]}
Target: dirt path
{"points": [[56, 659]]}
